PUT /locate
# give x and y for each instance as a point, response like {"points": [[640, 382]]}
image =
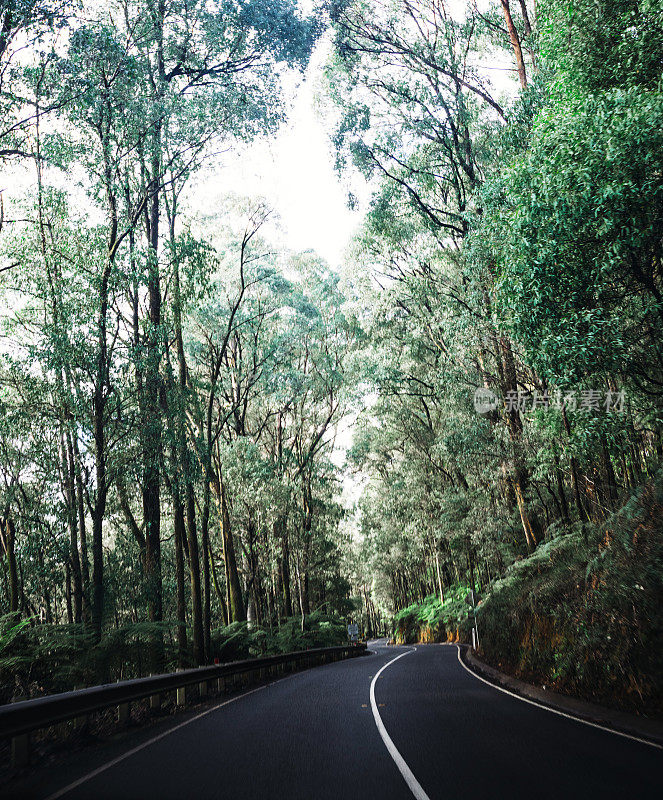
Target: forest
{"points": [[175, 383]]}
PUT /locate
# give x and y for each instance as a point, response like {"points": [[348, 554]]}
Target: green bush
{"points": [[44, 659], [584, 612], [239, 640], [433, 621]]}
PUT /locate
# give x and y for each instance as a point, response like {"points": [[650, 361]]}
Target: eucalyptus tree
{"points": [[269, 362], [320, 344], [573, 227], [146, 92], [516, 244], [154, 87], [106, 95], [419, 117], [29, 30], [50, 367]]}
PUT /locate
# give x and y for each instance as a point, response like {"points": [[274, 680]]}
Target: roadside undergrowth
{"points": [[583, 614]]}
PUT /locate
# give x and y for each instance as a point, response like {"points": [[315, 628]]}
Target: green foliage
{"points": [[596, 45], [577, 235], [516, 241], [10, 627], [432, 620], [582, 613], [241, 640], [171, 389], [45, 659]]}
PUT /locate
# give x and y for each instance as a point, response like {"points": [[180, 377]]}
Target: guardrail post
{"points": [[123, 713], [202, 688], [181, 696], [220, 685], [155, 702], [20, 751]]}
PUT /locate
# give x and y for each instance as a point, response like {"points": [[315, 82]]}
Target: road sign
{"points": [[353, 632]]}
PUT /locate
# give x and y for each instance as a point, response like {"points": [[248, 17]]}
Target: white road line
{"points": [[406, 772], [555, 711], [113, 762]]}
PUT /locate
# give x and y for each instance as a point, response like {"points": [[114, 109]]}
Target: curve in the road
{"points": [[413, 784], [556, 710], [333, 732]]}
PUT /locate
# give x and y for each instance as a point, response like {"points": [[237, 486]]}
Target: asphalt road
{"points": [[433, 731]]}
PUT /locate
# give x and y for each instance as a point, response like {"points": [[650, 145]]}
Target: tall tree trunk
{"points": [[284, 567], [307, 525], [67, 592], [80, 508], [519, 478], [235, 600], [101, 488], [217, 589], [611, 480], [564, 506], [187, 469], [439, 574], [207, 601], [194, 572], [178, 529], [8, 540], [70, 496], [515, 43], [582, 511], [151, 423]]}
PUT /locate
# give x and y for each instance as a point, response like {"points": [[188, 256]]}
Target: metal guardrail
{"points": [[17, 720]]}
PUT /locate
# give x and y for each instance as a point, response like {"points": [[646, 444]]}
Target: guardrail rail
{"points": [[18, 720]]}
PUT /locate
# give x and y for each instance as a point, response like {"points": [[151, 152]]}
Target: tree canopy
{"points": [[174, 384]]}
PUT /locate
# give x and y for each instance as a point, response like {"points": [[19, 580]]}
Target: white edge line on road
{"points": [[406, 772], [554, 710], [114, 761]]}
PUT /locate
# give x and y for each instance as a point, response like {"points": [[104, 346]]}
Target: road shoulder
{"points": [[648, 730]]}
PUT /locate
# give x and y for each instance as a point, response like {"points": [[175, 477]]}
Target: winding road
{"points": [[399, 723]]}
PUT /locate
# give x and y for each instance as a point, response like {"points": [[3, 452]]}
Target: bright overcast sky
{"points": [[294, 172]]}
